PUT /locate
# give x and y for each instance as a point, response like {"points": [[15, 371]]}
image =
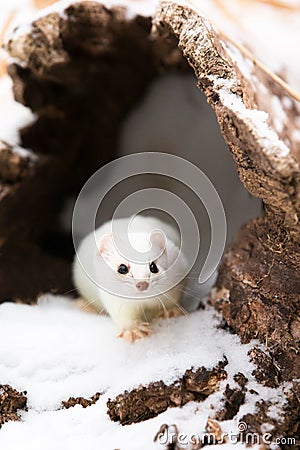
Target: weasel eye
{"points": [[123, 269], [153, 267]]}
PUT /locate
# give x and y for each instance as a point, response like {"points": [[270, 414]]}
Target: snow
{"points": [[244, 64], [296, 135], [13, 115], [92, 359], [287, 102], [54, 351], [22, 11], [90, 428], [280, 117], [272, 145]]}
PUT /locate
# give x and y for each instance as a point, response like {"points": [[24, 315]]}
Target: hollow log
{"points": [[94, 55]]}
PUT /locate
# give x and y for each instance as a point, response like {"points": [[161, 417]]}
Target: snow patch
{"points": [[287, 102], [296, 135], [280, 117], [77, 354], [257, 120], [244, 64], [55, 351], [13, 115], [25, 153]]}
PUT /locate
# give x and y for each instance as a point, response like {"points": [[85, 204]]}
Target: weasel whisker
{"points": [[142, 308], [169, 298]]}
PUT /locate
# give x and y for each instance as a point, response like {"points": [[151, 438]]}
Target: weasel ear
{"points": [[105, 245], [158, 239]]}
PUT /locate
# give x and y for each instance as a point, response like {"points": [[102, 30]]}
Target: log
{"points": [[61, 71], [146, 402]]}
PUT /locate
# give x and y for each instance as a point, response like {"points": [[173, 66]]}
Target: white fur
{"points": [[131, 306]]}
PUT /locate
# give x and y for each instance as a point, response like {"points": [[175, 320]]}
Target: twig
{"points": [[281, 5]]}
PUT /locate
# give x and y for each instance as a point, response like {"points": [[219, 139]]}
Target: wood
{"points": [[95, 56]]}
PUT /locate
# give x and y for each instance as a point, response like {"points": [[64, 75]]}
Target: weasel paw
{"points": [[141, 330], [83, 305], [176, 311]]}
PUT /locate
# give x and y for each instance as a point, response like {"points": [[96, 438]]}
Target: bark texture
{"points": [[84, 402], [11, 402], [149, 401]]}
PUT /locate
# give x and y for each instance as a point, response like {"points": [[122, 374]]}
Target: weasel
{"points": [[132, 293]]}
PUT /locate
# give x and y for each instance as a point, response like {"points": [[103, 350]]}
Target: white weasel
{"points": [[147, 290]]}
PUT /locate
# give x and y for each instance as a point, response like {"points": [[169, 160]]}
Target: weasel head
{"points": [[140, 279]]}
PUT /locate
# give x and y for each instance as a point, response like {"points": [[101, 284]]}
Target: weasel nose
{"points": [[142, 285]]}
